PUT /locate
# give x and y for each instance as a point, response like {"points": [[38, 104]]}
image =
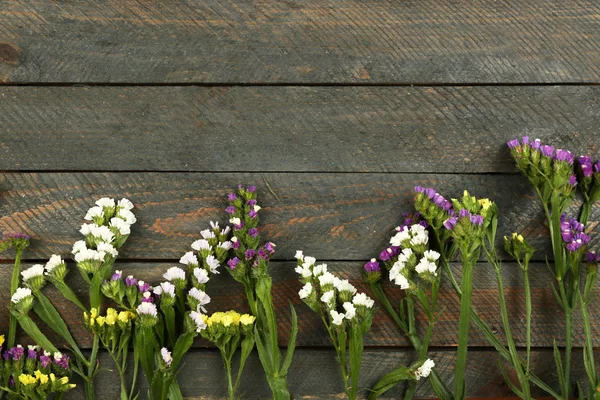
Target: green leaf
{"points": [[68, 293], [291, 344], [390, 380], [508, 381], [33, 331], [559, 368], [183, 344]]}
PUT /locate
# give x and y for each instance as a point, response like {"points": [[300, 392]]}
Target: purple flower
{"points": [[591, 257], [576, 225], [564, 155], [450, 223], [116, 276], [235, 244], [251, 203], [232, 197], [525, 140], [230, 210], [424, 224], [16, 236], [586, 165], [536, 144], [419, 189], [430, 192], [249, 254], [239, 226], [581, 237], [16, 353], [572, 180], [476, 219], [512, 143], [149, 299], [32, 353], [252, 213], [385, 255], [143, 287], [62, 361], [270, 247], [573, 247], [597, 166], [547, 151], [567, 235], [263, 254], [130, 281], [253, 232], [372, 266], [45, 361], [233, 262], [251, 189], [464, 213]]}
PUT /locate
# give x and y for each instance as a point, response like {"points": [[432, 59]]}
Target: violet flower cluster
{"points": [[572, 234]]}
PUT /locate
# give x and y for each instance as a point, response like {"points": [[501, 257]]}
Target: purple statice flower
{"points": [[238, 226], [597, 166], [586, 165], [149, 299], [372, 266], [464, 213], [592, 257], [430, 192], [576, 225], [130, 281], [16, 236], [564, 155], [424, 224], [476, 219], [385, 255], [253, 232], [116, 276], [567, 235], [61, 360], [16, 353], [231, 197], [525, 140], [233, 262], [263, 254], [252, 213], [45, 360], [270, 247], [513, 143], [249, 254], [547, 151], [535, 145], [450, 223], [572, 180], [32, 353], [251, 203], [419, 189], [235, 244], [251, 189], [143, 286], [230, 210]]}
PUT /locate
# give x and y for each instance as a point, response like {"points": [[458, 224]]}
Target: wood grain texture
{"points": [[314, 374], [370, 129], [332, 216], [346, 41], [226, 294]]}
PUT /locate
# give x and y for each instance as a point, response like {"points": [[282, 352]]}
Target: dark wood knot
{"points": [[9, 53]]}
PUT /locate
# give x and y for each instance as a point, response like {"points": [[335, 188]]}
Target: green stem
{"points": [[14, 284], [463, 327], [586, 211], [90, 392], [590, 366], [527, 317]]}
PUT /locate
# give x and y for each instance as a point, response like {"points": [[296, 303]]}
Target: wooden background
{"points": [[340, 107]]}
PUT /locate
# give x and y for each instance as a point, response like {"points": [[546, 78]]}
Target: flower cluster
{"points": [[211, 253], [19, 241], [222, 326], [572, 235], [432, 206], [110, 327], [517, 247], [424, 370]]}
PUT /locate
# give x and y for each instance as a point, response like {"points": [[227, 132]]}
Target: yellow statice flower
{"points": [[64, 380], [485, 204], [125, 316], [27, 379], [247, 319], [100, 320], [1, 340], [111, 316], [94, 313], [52, 377], [43, 378]]}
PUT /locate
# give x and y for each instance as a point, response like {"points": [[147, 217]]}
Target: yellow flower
{"points": [[42, 377], [247, 319], [235, 316], [124, 316], [94, 312], [485, 204], [518, 237], [1, 340], [217, 318], [100, 320], [27, 379], [228, 320], [64, 380], [52, 377]]}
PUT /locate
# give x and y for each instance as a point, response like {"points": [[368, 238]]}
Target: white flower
{"points": [[235, 221], [108, 248], [402, 282], [405, 255], [431, 255], [326, 279], [147, 309], [424, 370], [201, 244], [102, 232], [303, 272], [94, 212], [166, 356], [345, 286], [309, 260], [165, 287], [207, 234], [361, 299], [32, 272], [214, 225], [125, 204], [127, 216], [120, 224], [420, 238], [225, 231], [89, 254], [189, 258], [226, 245], [20, 294], [257, 208], [234, 240], [327, 297], [337, 318], [198, 320], [350, 310], [305, 291], [299, 255], [319, 270], [174, 273], [213, 264], [417, 229], [54, 262], [106, 202], [202, 298], [78, 246], [400, 237], [86, 229], [147, 295], [396, 269], [426, 266], [201, 275]]}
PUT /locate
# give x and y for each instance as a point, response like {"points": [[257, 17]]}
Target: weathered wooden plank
{"points": [[332, 216], [226, 294], [346, 41], [370, 129], [314, 374]]}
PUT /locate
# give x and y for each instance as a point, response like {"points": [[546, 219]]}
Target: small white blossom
{"points": [[424, 370], [79, 246], [345, 286], [400, 237], [105, 202], [102, 232], [405, 255], [225, 231], [350, 310], [166, 356], [125, 204], [257, 208], [201, 275], [202, 298], [396, 269], [108, 248], [32, 272], [327, 297], [94, 212], [189, 258], [226, 245], [299, 255], [201, 244], [198, 320], [89, 254], [305, 291], [147, 295], [319, 270], [165, 287], [213, 264], [120, 224], [361, 299], [127, 216], [303, 272], [401, 281], [426, 266], [54, 262], [309, 260], [86, 229], [420, 238], [431, 255], [337, 318], [417, 229], [214, 225], [235, 221], [147, 309], [174, 273], [326, 279], [207, 234], [20, 294]]}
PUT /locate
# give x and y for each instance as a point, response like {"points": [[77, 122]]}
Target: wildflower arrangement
{"points": [[225, 330], [249, 266], [346, 314], [33, 374]]}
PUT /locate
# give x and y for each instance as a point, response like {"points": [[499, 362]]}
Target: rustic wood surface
{"points": [[309, 41], [371, 129]]}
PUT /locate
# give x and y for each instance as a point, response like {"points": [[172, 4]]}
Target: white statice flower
{"points": [[198, 320], [102, 232], [200, 296], [125, 204], [127, 216], [426, 266], [54, 262], [299, 255], [147, 295], [319, 270], [401, 281], [201, 275], [20, 294], [189, 258], [201, 244], [345, 286], [235, 221], [174, 273], [431, 255], [32, 272], [213, 264], [123, 227], [226, 245], [108, 249], [106, 202], [214, 225], [326, 279], [79, 246], [424, 370], [401, 236], [336, 317], [304, 272], [166, 288], [146, 308], [328, 297], [396, 269], [225, 231], [94, 212], [207, 234], [405, 255], [350, 310], [361, 299], [305, 291], [417, 229], [89, 254], [309, 261], [419, 239], [86, 229], [166, 356]]}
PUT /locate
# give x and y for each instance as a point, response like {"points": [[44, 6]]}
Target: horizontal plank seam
{"points": [[123, 171]]}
